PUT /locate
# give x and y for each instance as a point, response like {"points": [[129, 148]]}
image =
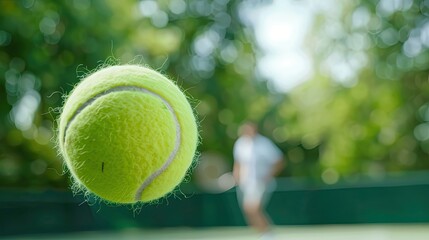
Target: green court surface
{"points": [[321, 232]]}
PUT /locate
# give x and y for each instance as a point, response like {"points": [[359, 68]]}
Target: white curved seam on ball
{"points": [[172, 155]]}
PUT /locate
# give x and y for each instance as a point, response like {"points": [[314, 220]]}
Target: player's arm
{"points": [[278, 167]]}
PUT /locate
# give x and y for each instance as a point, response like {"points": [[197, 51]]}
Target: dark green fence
{"points": [[401, 199]]}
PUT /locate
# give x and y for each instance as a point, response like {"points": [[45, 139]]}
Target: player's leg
{"points": [[253, 207], [256, 216]]}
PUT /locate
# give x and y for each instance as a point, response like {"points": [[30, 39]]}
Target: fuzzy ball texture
{"points": [[127, 134]]}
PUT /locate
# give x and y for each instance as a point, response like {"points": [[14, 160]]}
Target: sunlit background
{"points": [[342, 88]]}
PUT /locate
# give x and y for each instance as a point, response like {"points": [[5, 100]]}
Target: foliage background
{"points": [[331, 128]]}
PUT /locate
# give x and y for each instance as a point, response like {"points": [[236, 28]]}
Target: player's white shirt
{"points": [[256, 157]]}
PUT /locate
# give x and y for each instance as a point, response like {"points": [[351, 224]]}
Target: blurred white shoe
{"points": [[267, 236]]}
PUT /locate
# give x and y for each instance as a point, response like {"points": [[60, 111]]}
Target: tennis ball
{"points": [[127, 134]]}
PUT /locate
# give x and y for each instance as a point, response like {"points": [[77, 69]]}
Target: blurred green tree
{"points": [[364, 111], [46, 46]]}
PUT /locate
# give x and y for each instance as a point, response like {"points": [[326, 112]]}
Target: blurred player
{"points": [[257, 160]]}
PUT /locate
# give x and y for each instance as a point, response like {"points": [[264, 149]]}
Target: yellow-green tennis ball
{"points": [[127, 134]]}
